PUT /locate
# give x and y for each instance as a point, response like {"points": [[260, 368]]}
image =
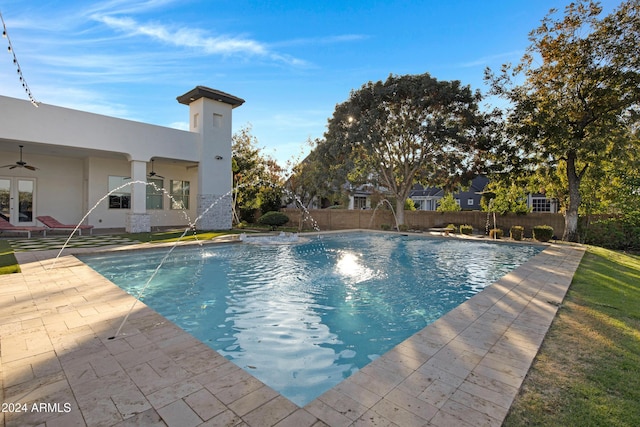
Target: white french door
{"points": [[17, 200]]}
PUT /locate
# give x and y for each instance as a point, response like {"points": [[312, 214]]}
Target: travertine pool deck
{"points": [[58, 363]]}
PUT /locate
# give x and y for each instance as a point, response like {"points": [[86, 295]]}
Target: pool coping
{"points": [[465, 369]]}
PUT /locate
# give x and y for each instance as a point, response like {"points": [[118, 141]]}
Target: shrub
{"points": [[466, 229], [409, 205], [542, 233], [613, 233], [270, 198], [385, 227], [452, 228], [248, 215], [403, 227], [516, 232], [495, 233], [273, 219]]}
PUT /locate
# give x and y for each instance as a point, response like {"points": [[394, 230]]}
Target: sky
{"points": [[291, 61]]}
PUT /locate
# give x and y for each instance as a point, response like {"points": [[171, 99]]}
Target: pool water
{"points": [[302, 317]]}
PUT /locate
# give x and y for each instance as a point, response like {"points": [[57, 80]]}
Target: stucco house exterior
{"points": [[96, 168]]}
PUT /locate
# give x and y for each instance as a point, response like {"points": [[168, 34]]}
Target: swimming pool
{"points": [[302, 317]]}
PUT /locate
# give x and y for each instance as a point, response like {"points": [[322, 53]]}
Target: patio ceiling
{"points": [[33, 148]]}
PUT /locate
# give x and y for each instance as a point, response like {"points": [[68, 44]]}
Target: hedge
{"points": [[273, 219], [542, 233]]}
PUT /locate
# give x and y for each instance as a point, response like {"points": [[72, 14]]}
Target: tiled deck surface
{"points": [[463, 370]]}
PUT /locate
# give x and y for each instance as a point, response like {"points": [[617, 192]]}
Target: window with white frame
{"points": [[120, 192], [155, 193], [179, 194], [359, 202], [540, 204], [470, 201]]}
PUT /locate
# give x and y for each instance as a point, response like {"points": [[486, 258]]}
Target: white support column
{"points": [[138, 220]]}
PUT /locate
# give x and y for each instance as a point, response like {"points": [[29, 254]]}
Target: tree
{"points": [[271, 190], [308, 179], [506, 199], [391, 132], [448, 204], [257, 179], [579, 98]]}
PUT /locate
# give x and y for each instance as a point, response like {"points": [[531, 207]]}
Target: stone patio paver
{"points": [[55, 349]]}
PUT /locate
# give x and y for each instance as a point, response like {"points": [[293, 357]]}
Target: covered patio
{"points": [[82, 167]]}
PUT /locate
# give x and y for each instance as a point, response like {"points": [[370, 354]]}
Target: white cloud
{"points": [[195, 39], [344, 38], [128, 6]]}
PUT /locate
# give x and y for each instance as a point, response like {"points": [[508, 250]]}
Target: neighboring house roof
{"points": [[364, 189], [479, 183], [206, 92], [420, 191], [477, 186]]}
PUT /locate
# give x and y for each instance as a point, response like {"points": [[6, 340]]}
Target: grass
{"points": [[8, 262], [175, 235], [587, 372]]}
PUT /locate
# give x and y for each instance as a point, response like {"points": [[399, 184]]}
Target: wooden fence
{"points": [[342, 219]]}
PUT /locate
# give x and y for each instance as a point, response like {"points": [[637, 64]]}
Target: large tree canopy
{"points": [[407, 127], [579, 102]]}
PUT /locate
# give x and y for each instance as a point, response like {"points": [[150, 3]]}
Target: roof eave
{"points": [[214, 94]]}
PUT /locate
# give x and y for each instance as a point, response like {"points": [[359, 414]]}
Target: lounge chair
{"points": [[53, 224], [7, 226]]}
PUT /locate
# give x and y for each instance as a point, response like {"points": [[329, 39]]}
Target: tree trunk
{"points": [[400, 211], [571, 213]]}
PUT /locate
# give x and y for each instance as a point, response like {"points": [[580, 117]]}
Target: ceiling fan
{"points": [[20, 163], [153, 174]]}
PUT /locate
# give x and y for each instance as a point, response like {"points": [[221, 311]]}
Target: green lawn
{"points": [[588, 370], [175, 235], [8, 263]]}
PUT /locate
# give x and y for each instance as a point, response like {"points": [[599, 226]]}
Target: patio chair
{"points": [[53, 224], [7, 226]]}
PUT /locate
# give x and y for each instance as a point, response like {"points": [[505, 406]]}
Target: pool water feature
{"points": [[302, 317]]}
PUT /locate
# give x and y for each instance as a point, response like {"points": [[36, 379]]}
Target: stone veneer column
{"points": [[138, 220], [214, 212], [138, 223]]}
